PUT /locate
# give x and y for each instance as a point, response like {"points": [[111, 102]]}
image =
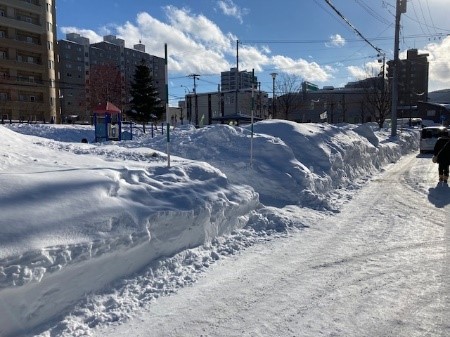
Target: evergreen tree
{"points": [[145, 105]]}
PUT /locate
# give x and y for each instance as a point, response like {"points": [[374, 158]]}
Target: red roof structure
{"points": [[107, 107]]}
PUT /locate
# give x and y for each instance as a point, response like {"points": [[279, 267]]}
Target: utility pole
{"points": [[195, 77], [236, 105], [274, 75], [344, 108], [167, 103], [400, 8], [253, 106]]}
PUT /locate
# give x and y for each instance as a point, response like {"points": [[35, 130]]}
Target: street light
{"points": [[273, 93], [186, 89]]}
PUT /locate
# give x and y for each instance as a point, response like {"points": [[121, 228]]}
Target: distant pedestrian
{"points": [[442, 157]]}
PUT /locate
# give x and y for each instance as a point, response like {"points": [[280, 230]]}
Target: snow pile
{"points": [[76, 217], [292, 163]]}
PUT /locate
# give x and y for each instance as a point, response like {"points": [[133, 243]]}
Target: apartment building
{"points": [[412, 78], [28, 89], [78, 59], [234, 79]]}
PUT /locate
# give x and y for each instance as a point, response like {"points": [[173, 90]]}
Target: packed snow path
{"points": [[378, 268]]}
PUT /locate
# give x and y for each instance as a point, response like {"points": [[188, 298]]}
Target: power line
{"points": [[372, 12], [431, 17], [423, 15], [329, 12], [379, 38], [353, 27]]}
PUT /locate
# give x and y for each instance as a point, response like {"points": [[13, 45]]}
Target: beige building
{"points": [[27, 60], [220, 107]]}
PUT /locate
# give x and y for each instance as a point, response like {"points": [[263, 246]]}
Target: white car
{"points": [[429, 136]]}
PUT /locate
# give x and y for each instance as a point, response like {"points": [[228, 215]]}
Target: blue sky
{"points": [[306, 38]]}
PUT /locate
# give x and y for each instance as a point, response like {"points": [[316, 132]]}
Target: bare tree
{"points": [[377, 99], [105, 85], [288, 87]]}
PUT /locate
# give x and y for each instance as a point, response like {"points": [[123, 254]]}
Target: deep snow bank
{"points": [[72, 223], [289, 163], [118, 206]]}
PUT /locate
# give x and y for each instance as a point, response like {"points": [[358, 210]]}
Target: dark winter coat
{"points": [[442, 150]]}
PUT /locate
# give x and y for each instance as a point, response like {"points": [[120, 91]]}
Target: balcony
{"points": [[28, 5]]}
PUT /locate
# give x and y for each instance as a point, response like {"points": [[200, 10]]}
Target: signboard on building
{"points": [[308, 86]]}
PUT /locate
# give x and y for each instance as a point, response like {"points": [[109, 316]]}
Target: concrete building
{"points": [[232, 80], [73, 69], [337, 105], [78, 57], [351, 104], [219, 107], [28, 89], [412, 78]]}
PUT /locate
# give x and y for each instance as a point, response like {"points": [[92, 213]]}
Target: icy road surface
{"points": [[378, 268]]}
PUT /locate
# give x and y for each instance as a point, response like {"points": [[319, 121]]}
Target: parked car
{"points": [[429, 135]]}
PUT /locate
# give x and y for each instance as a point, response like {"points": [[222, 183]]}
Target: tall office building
{"points": [[78, 60], [27, 60]]}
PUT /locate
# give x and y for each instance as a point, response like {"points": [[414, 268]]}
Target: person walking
{"points": [[442, 156]]}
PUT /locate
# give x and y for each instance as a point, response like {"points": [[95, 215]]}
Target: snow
{"points": [[91, 234]]}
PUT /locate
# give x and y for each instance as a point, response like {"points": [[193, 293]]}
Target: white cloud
{"points": [[197, 27], [310, 71], [356, 72], [195, 44], [439, 58], [228, 7], [336, 40], [370, 69], [90, 34], [251, 57]]}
